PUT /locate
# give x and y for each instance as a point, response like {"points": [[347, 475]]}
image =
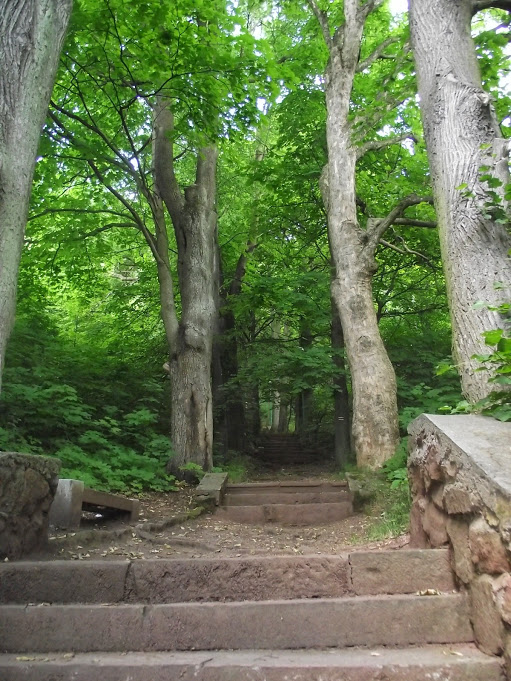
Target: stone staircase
{"points": [[279, 449], [364, 616], [286, 503]]}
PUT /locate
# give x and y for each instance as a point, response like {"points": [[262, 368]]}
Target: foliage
{"points": [[52, 404]]}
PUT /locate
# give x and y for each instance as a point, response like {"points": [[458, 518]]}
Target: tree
{"points": [[375, 431], [140, 126], [468, 158], [31, 36]]}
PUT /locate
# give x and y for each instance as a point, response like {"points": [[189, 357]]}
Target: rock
{"points": [[434, 524], [27, 488], [502, 589], [457, 500], [488, 552], [418, 538], [488, 626], [457, 529]]}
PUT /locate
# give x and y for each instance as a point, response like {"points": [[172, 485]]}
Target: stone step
{"points": [[454, 663], [398, 620], [264, 498], [286, 514], [289, 486], [253, 578]]}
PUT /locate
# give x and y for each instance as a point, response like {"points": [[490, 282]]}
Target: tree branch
{"points": [[381, 144], [378, 228], [377, 53], [410, 222], [404, 251], [163, 154], [322, 18], [478, 5], [368, 7], [100, 211]]}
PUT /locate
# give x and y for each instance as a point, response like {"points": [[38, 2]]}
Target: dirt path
{"points": [[165, 531]]}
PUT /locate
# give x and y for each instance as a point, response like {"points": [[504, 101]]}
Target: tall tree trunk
{"points": [[375, 429], [462, 135], [31, 37], [193, 217], [342, 425]]}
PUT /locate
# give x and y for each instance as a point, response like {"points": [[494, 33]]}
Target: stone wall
{"points": [[27, 487], [460, 478]]}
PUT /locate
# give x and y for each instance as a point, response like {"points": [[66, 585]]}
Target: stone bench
{"points": [[72, 498]]}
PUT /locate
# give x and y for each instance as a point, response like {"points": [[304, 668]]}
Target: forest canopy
{"points": [[234, 227]]}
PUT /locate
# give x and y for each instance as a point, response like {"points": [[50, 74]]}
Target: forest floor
{"points": [[167, 529]]}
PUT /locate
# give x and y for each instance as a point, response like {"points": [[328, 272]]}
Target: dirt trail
{"points": [[166, 530]]}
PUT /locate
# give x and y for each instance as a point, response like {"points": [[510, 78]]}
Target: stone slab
{"points": [[239, 579], [405, 571], [456, 663], [369, 620], [93, 498], [212, 486], [485, 440], [263, 498], [287, 514], [63, 582]]}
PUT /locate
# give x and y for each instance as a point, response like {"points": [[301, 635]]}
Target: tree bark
{"points": [[462, 134], [342, 425], [375, 431], [31, 37]]}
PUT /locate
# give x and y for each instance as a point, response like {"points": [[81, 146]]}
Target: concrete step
{"points": [[253, 578], [455, 663], [398, 620], [286, 514]]}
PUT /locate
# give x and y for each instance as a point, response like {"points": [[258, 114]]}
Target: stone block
{"points": [[212, 486], [66, 509], [27, 486], [457, 529], [502, 589], [488, 552], [418, 538], [434, 523], [488, 626], [457, 500]]}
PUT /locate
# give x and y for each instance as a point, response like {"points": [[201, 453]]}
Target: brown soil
{"points": [[167, 530]]}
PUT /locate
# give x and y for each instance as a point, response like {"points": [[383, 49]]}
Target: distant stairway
{"points": [[356, 617], [287, 503], [276, 450]]}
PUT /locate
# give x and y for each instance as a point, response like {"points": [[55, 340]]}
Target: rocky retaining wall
{"points": [[460, 478], [27, 487]]}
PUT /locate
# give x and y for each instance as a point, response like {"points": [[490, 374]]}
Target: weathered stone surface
{"points": [[294, 624], [488, 552], [405, 571], [418, 538], [235, 579], [63, 581], [488, 626], [212, 487], [457, 500], [457, 529], [463, 663], [502, 590], [434, 523], [27, 487]]}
